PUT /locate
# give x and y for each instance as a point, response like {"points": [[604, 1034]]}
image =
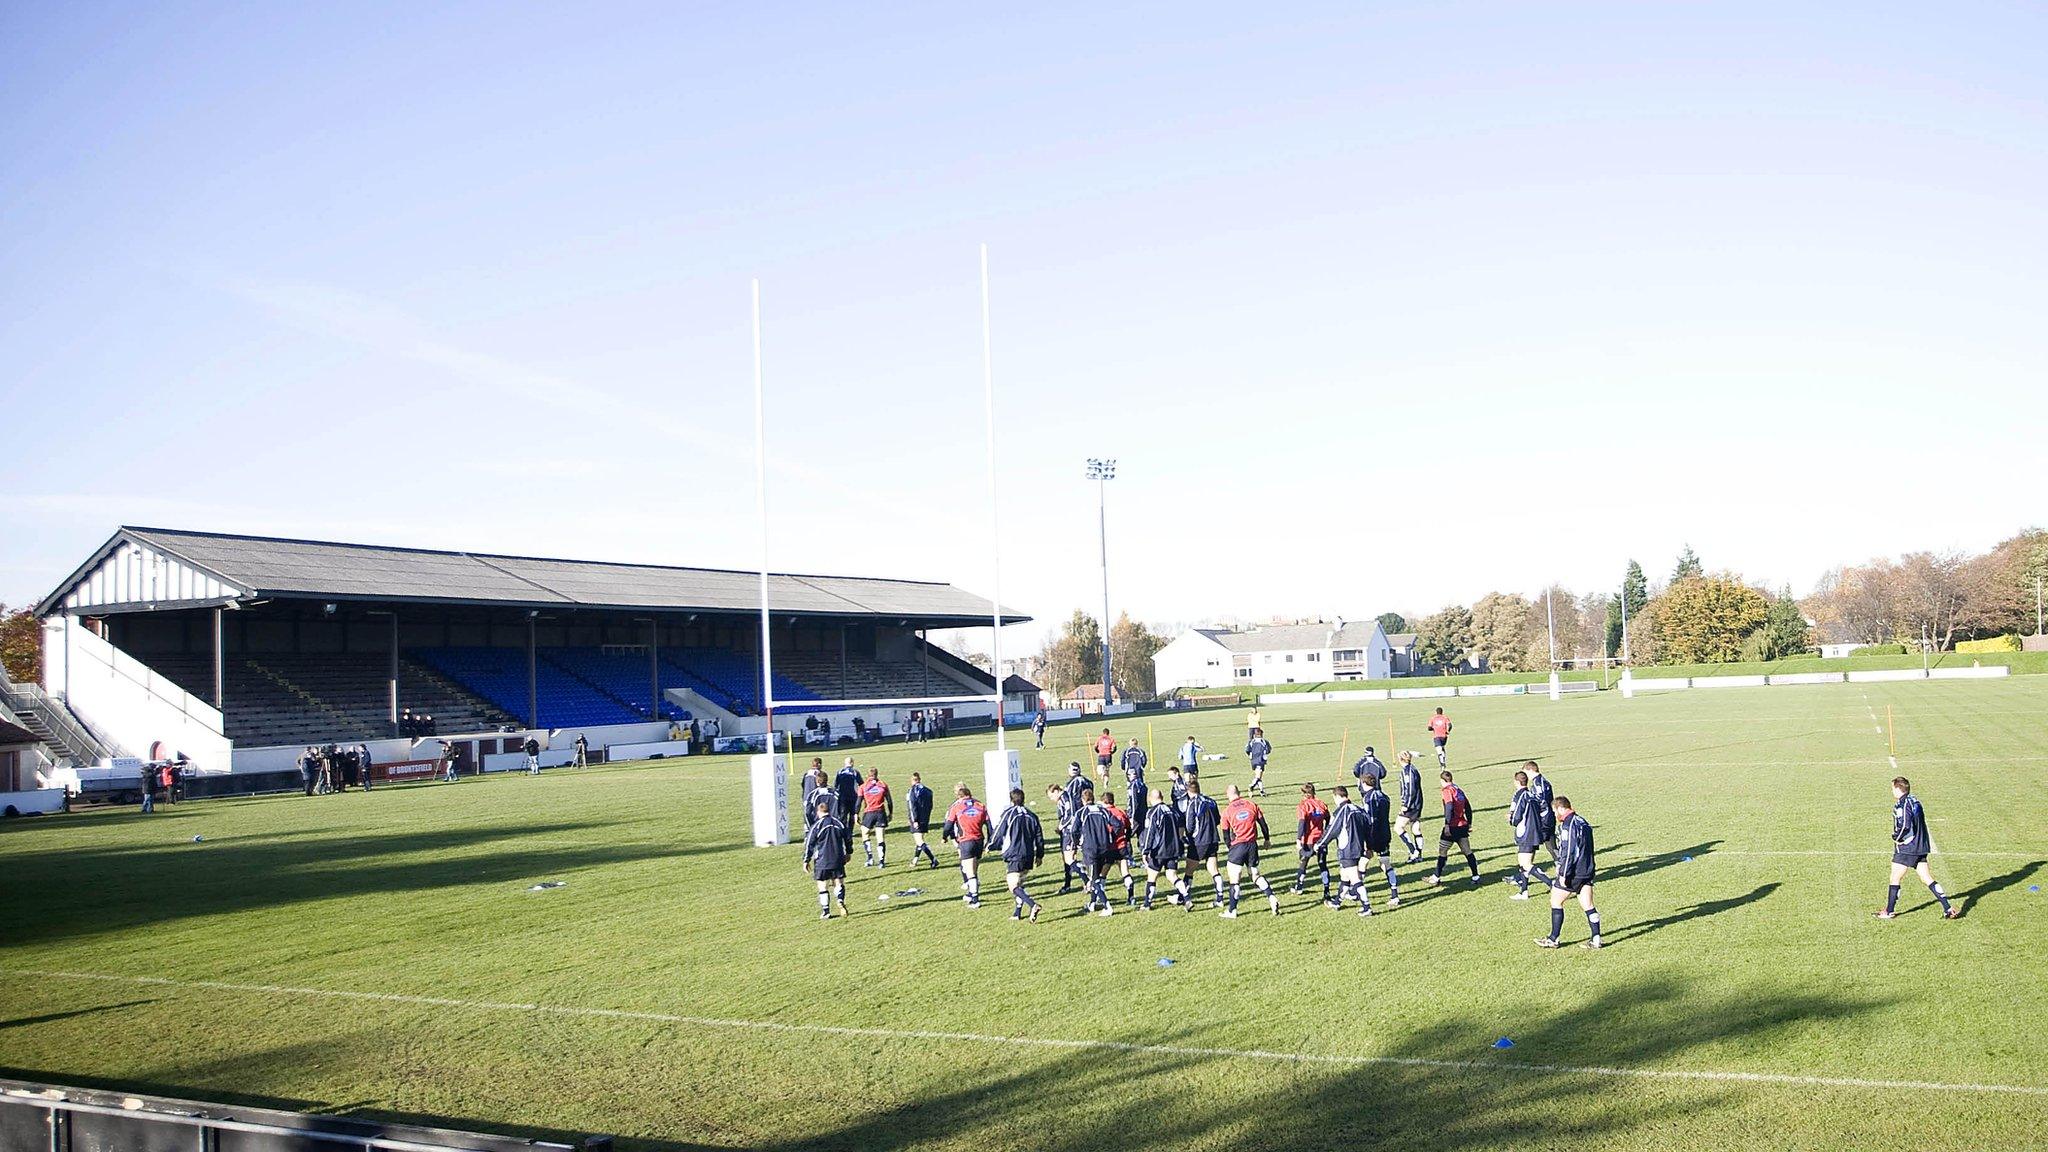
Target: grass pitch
{"points": [[382, 954]]}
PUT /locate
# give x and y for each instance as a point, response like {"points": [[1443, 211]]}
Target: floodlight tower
{"points": [[1102, 472]]}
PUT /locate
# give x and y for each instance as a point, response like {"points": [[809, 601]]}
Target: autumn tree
{"points": [[21, 645], [1501, 626], [1557, 608], [1999, 586], [1705, 619], [1930, 594], [1072, 656], [1445, 638], [1589, 638], [1131, 646]]}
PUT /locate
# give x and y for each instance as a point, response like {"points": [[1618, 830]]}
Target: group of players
{"points": [[1173, 832]]}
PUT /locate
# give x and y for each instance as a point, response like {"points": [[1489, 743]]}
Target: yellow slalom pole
{"points": [[1343, 750], [1151, 743], [1392, 749], [1891, 737]]}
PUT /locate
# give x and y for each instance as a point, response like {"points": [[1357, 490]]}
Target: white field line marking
{"points": [[1836, 852], [1169, 1050]]}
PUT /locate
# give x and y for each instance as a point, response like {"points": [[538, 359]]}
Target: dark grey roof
{"points": [[265, 566], [1402, 639], [1297, 637]]}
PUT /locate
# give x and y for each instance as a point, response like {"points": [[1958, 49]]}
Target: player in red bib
{"points": [[1105, 754], [967, 828], [1311, 838], [1243, 828], [1457, 830], [1121, 844], [1440, 735], [876, 808]]}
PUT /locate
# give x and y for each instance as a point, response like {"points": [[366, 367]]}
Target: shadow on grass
{"points": [[146, 885], [1439, 1087], [53, 1017], [1693, 912], [1968, 899]]}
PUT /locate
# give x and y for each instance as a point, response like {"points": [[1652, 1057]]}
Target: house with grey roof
{"points": [[1274, 654]]}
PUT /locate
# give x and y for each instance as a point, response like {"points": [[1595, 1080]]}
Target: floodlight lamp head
{"points": [[1101, 469]]}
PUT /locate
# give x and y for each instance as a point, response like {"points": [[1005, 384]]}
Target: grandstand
{"points": [[233, 649]]}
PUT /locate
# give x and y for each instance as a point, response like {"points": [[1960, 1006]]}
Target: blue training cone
{"points": [[1503, 1042], [1166, 961], [1685, 859], [2033, 887]]}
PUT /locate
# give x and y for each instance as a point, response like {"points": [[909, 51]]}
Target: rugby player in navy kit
{"points": [[1574, 874], [1911, 845]]}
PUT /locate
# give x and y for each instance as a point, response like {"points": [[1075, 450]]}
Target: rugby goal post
{"points": [[1002, 766]]}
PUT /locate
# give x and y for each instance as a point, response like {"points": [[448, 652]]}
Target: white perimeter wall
{"points": [[127, 702]]}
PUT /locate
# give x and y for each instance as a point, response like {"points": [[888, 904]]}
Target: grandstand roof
{"points": [[144, 569]]}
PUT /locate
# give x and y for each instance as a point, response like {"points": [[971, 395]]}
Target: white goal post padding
{"points": [[1001, 770], [770, 773]]}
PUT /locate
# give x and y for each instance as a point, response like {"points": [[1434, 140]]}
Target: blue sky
{"points": [[1379, 307]]}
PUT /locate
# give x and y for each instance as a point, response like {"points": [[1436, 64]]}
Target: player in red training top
{"points": [[1243, 827], [876, 807], [1311, 838], [1121, 845], [1440, 735], [1105, 754], [967, 828], [1457, 830]]}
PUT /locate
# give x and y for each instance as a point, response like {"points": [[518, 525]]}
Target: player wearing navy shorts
{"points": [[1258, 749], [1122, 846], [1201, 823], [1574, 874], [1457, 830], [1911, 845], [921, 820], [825, 854], [1540, 786], [1244, 827], [1379, 843], [967, 828], [1527, 826], [1440, 736], [1347, 838], [1095, 834], [1020, 839], [1137, 797], [1408, 824], [1159, 845], [813, 780], [1311, 838], [877, 807]]}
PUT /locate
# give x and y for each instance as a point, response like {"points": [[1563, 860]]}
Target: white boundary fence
{"points": [[1641, 684]]}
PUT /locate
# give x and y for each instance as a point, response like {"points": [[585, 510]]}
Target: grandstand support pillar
{"points": [[394, 674], [219, 656], [843, 693], [532, 674], [653, 670]]}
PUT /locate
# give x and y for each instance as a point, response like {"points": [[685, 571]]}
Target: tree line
{"points": [[1701, 617]]}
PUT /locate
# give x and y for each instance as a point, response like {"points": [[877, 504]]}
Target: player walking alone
{"points": [[1105, 755], [920, 821], [1911, 846], [1258, 748], [1440, 735]]}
